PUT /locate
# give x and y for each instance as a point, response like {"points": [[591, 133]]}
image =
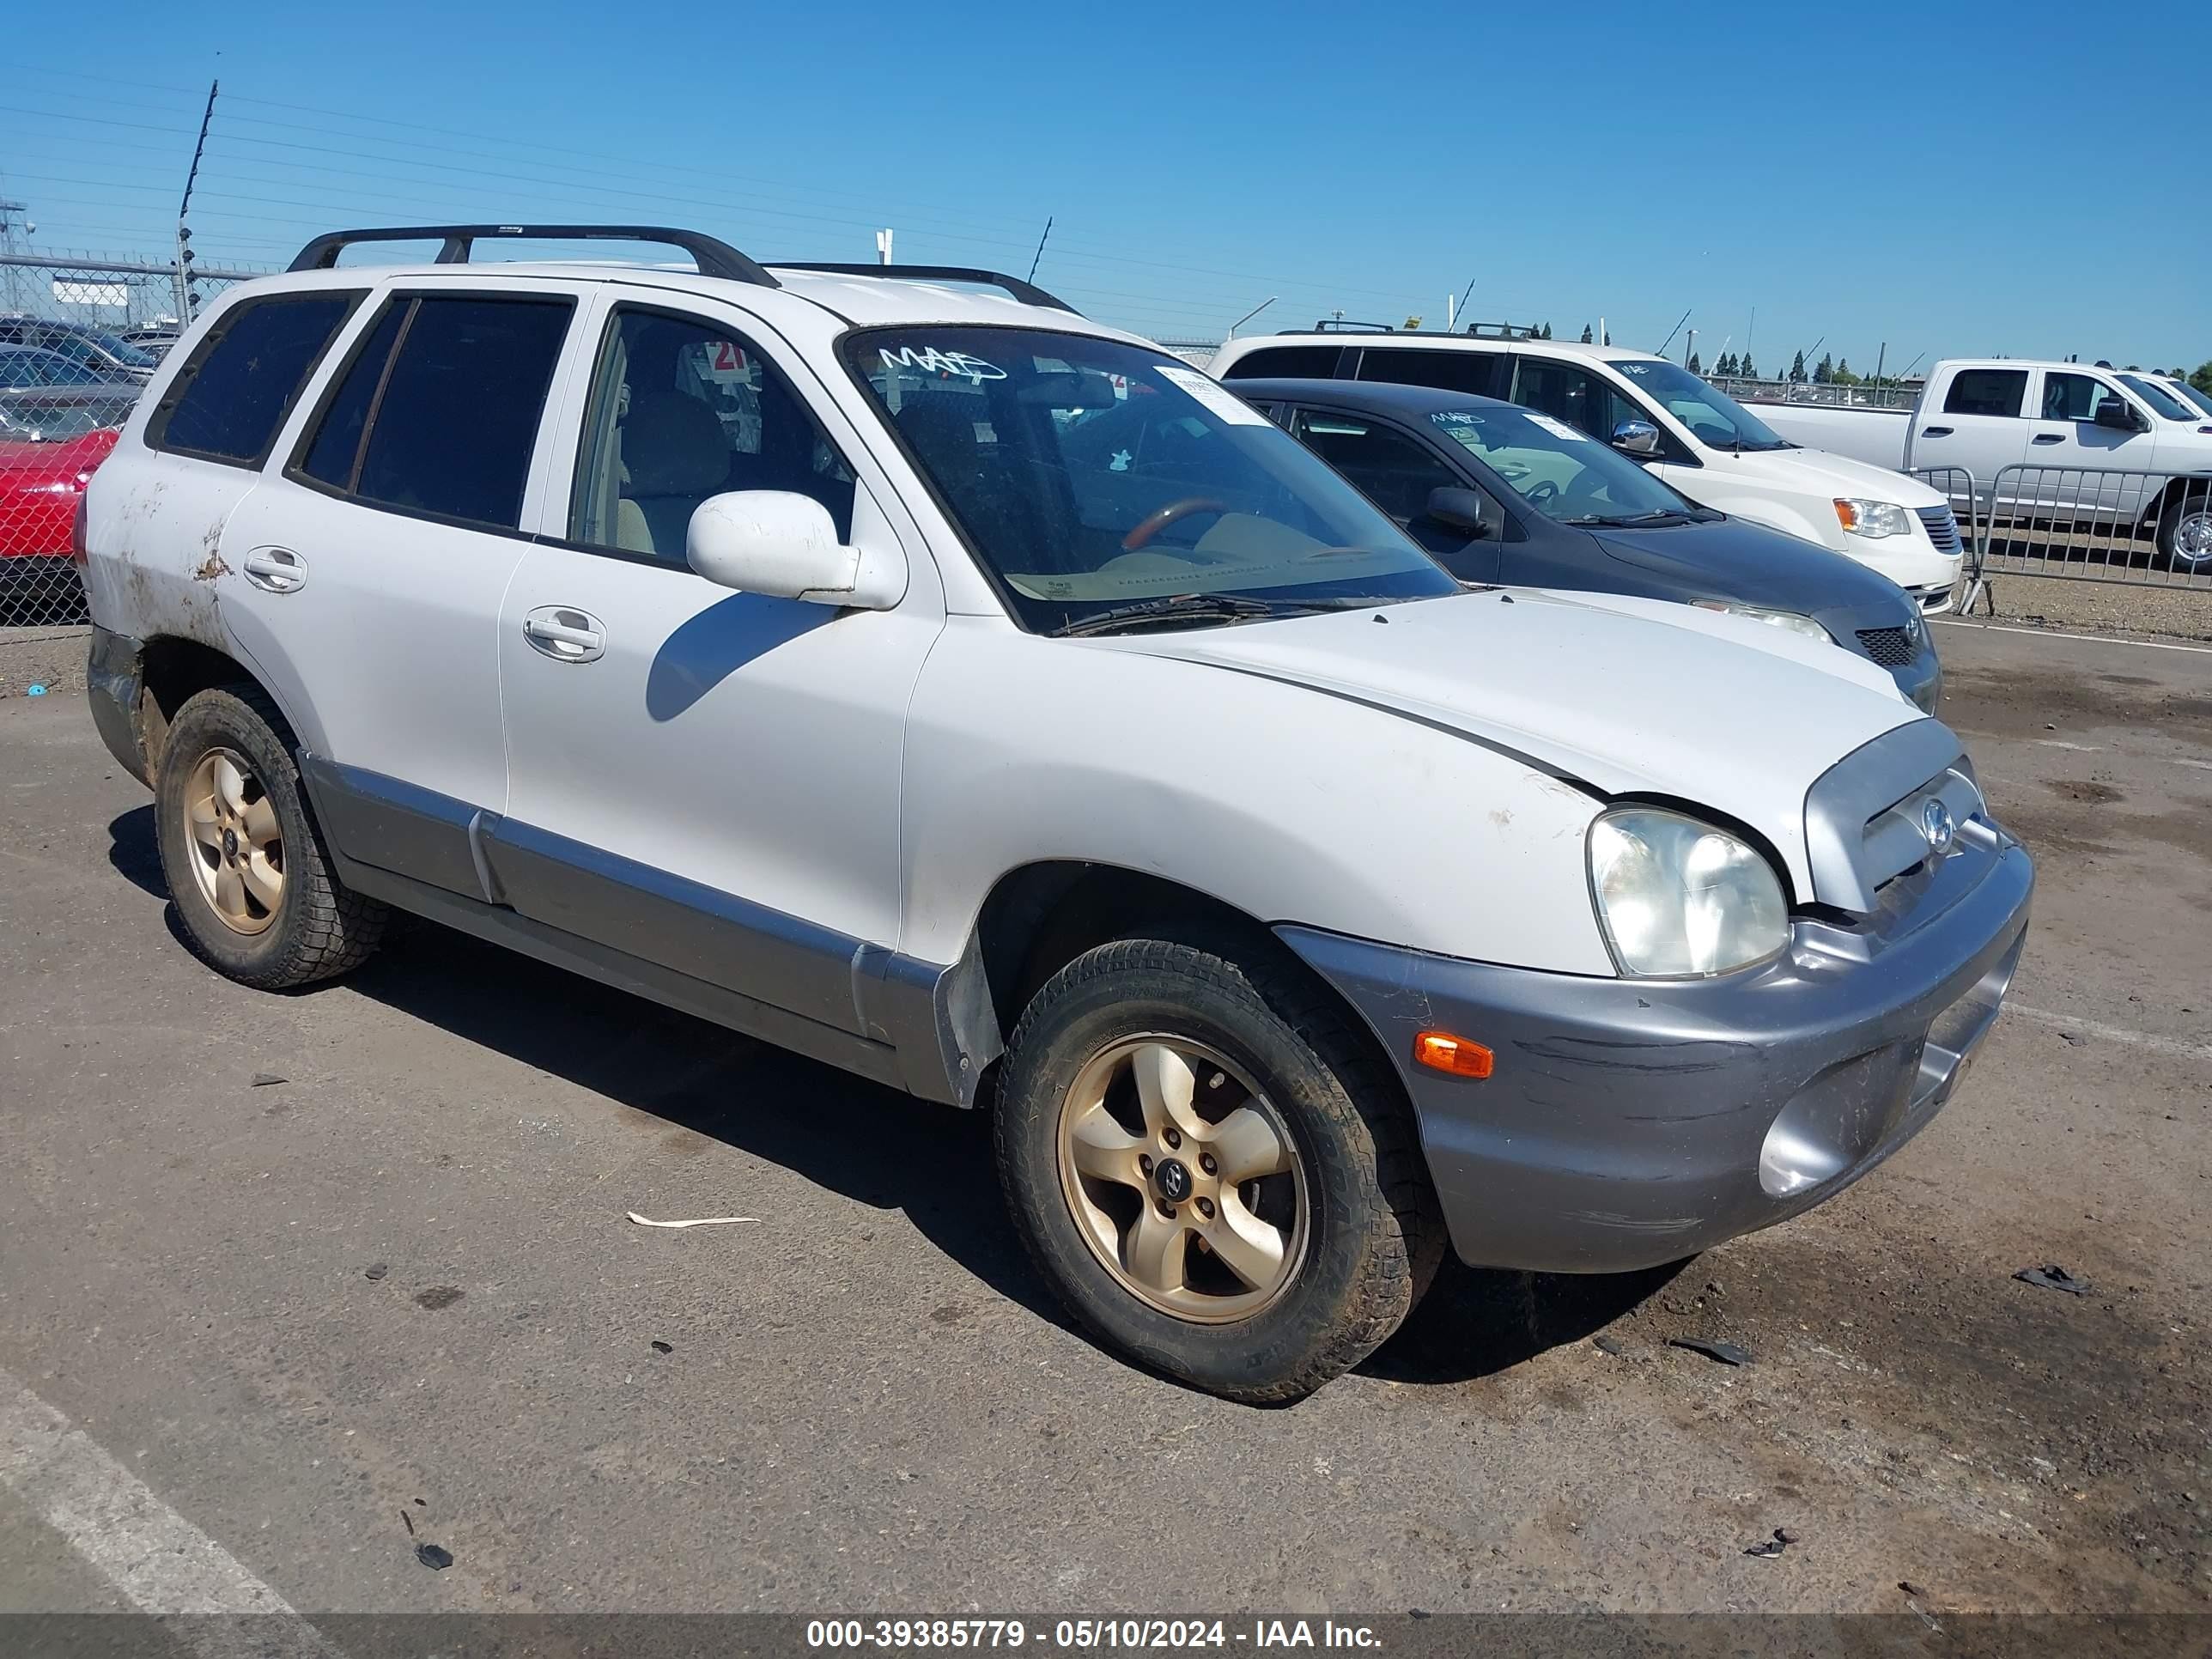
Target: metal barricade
{"points": [[2097, 523], [1959, 486]]}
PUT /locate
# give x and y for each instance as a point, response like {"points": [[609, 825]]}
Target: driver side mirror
{"points": [[2120, 416], [785, 544], [1638, 438], [1461, 509]]}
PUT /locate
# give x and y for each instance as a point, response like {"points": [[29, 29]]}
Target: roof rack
{"points": [[1504, 331], [1340, 325], [715, 259], [1027, 293]]}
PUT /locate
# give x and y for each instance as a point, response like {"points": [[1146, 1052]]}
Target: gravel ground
{"points": [[392, 1298]]}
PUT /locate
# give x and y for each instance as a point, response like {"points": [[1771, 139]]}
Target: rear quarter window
{"points": [[1308, 363], [230, 398]]}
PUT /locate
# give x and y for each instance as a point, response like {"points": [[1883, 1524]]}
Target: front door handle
{"points": [[565, 634], [276, 569], [1935, 431], [2048, 438]]}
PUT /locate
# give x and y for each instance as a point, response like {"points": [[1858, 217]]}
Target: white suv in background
{"points": [[798, 647], [1697, 438]]}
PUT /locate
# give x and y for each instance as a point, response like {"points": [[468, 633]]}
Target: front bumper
{"points": [[1631, 1122]]}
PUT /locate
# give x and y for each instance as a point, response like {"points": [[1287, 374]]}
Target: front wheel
{"points": [[2184, 532], [1217, 1174]]}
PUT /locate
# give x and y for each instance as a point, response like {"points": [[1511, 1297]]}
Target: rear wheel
{"points": [[245, 866], [1217, 1174]]}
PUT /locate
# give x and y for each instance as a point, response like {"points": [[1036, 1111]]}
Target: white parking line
{"points": [[2164, 1045], [2061, 743], [2053, 633], [161, 1562]]}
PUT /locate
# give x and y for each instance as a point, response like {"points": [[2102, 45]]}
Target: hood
{"points": [[64, 460], [1735, 559], [1839, 475], [1621, 695]]}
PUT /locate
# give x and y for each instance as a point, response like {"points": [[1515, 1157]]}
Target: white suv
{"points": [[794, 646]]}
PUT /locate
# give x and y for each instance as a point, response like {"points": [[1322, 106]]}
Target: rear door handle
{"points": [[565, 634], [2048, 438], [276, 569], [1935, 431]]}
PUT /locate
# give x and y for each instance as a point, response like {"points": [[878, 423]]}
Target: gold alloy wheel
{"points": [[1183, 1179], [236, 846]]}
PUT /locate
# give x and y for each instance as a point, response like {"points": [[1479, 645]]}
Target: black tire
{"points": [[2185, 506], [318, 929], [1375, 1236]]}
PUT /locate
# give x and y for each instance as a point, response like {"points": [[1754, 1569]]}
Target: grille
{"points": [[1942, 527], [1892, 647]]}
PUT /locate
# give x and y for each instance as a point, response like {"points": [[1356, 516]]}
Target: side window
{"points": [[1392, 471], [683, 409], [1447, 370], [1565, 392], [442, 421], [1307, 362], [2074, 396], [1986, 391], [227, 404]]}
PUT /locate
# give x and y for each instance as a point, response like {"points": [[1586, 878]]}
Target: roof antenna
{"points": [[1041, 242]]}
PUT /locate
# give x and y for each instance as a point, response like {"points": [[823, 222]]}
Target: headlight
{"points": [[1680, 899], [1790, 620], [1873, 518]]}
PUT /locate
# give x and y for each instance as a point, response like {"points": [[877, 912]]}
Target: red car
{"points": [[49, 449]]}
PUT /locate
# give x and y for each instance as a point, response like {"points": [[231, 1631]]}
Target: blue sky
{"points": [[1951, 179]]}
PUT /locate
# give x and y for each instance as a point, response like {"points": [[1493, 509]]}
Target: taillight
{"points": [[78, 550]]}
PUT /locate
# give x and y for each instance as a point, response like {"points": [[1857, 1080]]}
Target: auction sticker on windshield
{"points": [[1557, 429], [1227, 404]]}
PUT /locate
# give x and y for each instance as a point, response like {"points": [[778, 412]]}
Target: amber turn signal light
{"points": [[1440, 1051]]}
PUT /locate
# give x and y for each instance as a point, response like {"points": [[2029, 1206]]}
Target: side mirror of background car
{"points": [[1637, 438], [1462, 509], [2120, 416], [785, 544]]}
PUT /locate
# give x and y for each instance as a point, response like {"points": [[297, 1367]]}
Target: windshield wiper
{"points": [[1197, 607], [1623, 521]]}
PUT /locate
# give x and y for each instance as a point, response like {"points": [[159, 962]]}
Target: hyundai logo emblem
{"points": [[1938, 825]]}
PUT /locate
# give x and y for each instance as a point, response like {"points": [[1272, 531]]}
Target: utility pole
{"points": [[1880, 358], [883, 247], [1250, 314], [1041, 242], [1689, 348], [183, 208], [13, 222]]}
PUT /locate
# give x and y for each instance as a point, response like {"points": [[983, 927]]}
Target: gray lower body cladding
{"points": [[1631, 1123]]}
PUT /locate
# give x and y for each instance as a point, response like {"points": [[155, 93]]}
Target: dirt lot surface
{"points": [[392, 1298]]}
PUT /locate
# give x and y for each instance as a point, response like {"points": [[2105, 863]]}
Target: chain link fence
{"points": [[78, 339]]}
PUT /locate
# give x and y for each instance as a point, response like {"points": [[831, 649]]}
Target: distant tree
{"points": [[1608, 338], [1726, 367], [1797, 370], [1586, 333], [1693, 365], [1843, 376], [1547, 331], [2201, 377], [2132, 369], [1745, 368], [1827, 371]]}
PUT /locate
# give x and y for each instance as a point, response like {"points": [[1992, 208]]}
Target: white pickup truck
{"points": [[2040, 438], [1697, 438]]}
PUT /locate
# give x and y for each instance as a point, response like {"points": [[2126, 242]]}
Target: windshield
{"points": [[2161, 397], [1563, 473], [1712, 417], [41, 420], [1089, 474], [32, 366], [87, 345]]}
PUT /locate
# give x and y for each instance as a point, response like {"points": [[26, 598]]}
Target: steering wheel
{"points": [[1152, 524], [1544, 490]]}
